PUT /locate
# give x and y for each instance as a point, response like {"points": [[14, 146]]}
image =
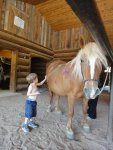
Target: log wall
{"points": [[23, 69], [68, 42]]}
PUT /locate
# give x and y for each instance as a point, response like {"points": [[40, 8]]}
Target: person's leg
{"points": [[25, 125], [28, 112], [32, 123], [26, 120], [92, 110]]}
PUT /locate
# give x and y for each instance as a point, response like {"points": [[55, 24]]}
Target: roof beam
{"points": [[89, 15], [34, 2]]}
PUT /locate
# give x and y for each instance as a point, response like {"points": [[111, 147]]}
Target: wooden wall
{"points": [[36, 28], [28, 40], [35, 40], [23, 69], [67, 43]]}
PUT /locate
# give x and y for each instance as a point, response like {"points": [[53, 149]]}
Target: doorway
{"points": [[5, 69], [8, 60], [38, 66]]}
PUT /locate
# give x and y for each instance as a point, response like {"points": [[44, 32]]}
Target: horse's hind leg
{"points": [[57, 107], [50, 102]]}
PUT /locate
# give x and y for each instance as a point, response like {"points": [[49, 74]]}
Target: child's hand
{"points": [[46, 77], [37, 92]]}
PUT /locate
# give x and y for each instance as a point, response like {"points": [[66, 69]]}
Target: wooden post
{"points": [[13, 71], [110, 115]]}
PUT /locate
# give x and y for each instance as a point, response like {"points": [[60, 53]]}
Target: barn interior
{"points": [[34, 32], [53, 31]]}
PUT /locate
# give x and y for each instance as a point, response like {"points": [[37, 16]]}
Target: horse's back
{"points": [[50, 66]]}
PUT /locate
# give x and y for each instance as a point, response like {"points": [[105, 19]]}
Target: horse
{"points": [[76, 79]]}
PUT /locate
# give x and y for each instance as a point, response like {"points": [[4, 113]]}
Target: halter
{"points": [[90, 80], [108, 70]]}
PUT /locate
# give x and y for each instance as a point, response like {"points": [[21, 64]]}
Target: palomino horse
{"points": [[77, 79]]}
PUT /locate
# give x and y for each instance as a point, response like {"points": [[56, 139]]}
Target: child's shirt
{"points": [[31, 90]]}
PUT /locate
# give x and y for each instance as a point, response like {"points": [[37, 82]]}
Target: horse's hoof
{"points": [[70, 134], [59, 112], [86, 128], [49, 110]]}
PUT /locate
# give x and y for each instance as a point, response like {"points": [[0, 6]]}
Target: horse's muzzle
{"points": [[91, 93]]}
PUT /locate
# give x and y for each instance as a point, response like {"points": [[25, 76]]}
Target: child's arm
{"points": [[29, 92], [38, 84]]}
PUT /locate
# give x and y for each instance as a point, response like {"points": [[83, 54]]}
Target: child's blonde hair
{"points": [[31, 77]]}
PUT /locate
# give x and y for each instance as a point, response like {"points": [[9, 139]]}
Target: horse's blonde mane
{"points": [[91, 51]]}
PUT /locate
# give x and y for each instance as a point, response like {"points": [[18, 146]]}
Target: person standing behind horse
{"points": [[92, 103], [31, 103]]}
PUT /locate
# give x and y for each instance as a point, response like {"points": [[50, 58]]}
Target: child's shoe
{"points": [[25, 127], [33, 125]]}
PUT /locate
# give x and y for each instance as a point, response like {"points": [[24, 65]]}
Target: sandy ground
{"points": [[51, 133]]}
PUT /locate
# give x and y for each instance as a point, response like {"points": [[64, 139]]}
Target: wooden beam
{"points": [[13, 71], [88, 13], [6, 53], [66, 50], [13, 46], [110, 116], [25, 43], [12, 42], [34, 2]]}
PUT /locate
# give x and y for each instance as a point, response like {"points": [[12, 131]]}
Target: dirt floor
{"points": [[51, 133]]}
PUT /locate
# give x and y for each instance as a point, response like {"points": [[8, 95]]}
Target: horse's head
{"points": [[90, 60], [91, 71]]}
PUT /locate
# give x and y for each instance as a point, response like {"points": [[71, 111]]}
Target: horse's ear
{"points": [[81, 42]]}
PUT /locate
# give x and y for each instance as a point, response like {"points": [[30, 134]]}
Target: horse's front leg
{"points": [[86, 127], [70, 133]]}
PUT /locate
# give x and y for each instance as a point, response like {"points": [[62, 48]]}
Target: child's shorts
{"points": [[30, 109]]}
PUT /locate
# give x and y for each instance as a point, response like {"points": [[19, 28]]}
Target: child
{"points": [[31, 104]]}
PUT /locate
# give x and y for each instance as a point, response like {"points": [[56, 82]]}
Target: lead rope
{"points": [[108, 71]]}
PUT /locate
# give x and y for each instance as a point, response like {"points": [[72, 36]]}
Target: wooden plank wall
{"points": [[68, 42], [36, 28]]}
